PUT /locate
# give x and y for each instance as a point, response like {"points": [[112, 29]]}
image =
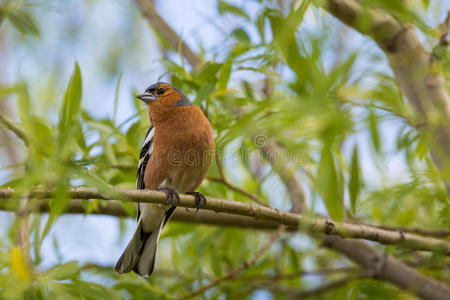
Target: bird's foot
{"points": [[171, 195], [198, 199]]}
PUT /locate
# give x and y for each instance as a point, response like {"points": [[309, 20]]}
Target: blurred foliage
{"points": [[339, 116]]}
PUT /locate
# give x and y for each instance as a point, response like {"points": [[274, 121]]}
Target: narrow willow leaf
{"points": [[36, 227], [64, 271], [89, 290], [354, 185], [225, 7], [241, 35], [23, 22], [248, 90], [204, 92], [7, 90], [116, 97], [57, 205], [375, 134], [174, 68], [224, 75], [421, 149], [328, 186], [284, 30], [208, 73], [72, 100], [260, 24], [24, 104]]}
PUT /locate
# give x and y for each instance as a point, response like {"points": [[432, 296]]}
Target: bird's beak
{"points": [[146, 97]]}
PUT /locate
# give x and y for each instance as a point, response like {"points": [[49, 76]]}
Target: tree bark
{"points": [[417, 72], [303, 222]]}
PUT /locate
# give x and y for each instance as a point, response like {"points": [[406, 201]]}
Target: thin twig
{"points": [[233, 187], [286, 276], [236, 272], [239, 190], [23, 230], [17, 130], [300, 294]]}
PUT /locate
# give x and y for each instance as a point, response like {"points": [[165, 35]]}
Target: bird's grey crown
{"points": [[154, 86], [184, 101]]}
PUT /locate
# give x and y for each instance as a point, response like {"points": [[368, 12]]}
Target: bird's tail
{"points": [[139, 256]]}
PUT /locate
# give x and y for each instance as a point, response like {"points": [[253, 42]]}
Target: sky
{"points": [[92, 31]]}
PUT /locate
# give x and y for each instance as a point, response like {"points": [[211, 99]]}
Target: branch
{"points": [[386, 267], [305, 223], [405, 276], [418, 74], [9, 124], [116, 209], [169, 34], [293, 275], [236, 272], [148, 10], [439, 233], [300, 294]]}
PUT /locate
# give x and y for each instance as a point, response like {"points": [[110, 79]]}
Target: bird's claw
{"points": [[198, 199], [171, 195]]}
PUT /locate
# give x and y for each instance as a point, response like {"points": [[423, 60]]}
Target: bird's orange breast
{"points": [[183, 150]]}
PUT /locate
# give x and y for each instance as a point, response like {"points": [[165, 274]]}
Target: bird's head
{"points": [[162, 96]]}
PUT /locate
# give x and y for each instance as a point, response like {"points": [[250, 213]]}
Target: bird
{"points": [[176, 155]]}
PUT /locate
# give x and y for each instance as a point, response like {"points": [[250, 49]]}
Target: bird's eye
{"points": [[161, 91]]}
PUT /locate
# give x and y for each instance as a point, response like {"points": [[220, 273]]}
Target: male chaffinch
{"points": [[175, 157]]}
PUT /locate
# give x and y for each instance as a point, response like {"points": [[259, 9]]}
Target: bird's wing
{"points": [[144, 157]]}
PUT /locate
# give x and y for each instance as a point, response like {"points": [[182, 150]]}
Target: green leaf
{"points": [[327, 184], [248, 90], [225, 7], [116, 97], [422, 148], [62, 272], [7, 90], [23, 21], [354, 185], [261, 25], [90, 291], [426, 3], [224, 75], [284, 30], [205, 91], [373, 127], [72, 100], [241, 35], [24, 104], [208, 73], [174, 68]]}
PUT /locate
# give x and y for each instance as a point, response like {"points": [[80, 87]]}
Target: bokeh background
{"points": [[119, 55]]}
